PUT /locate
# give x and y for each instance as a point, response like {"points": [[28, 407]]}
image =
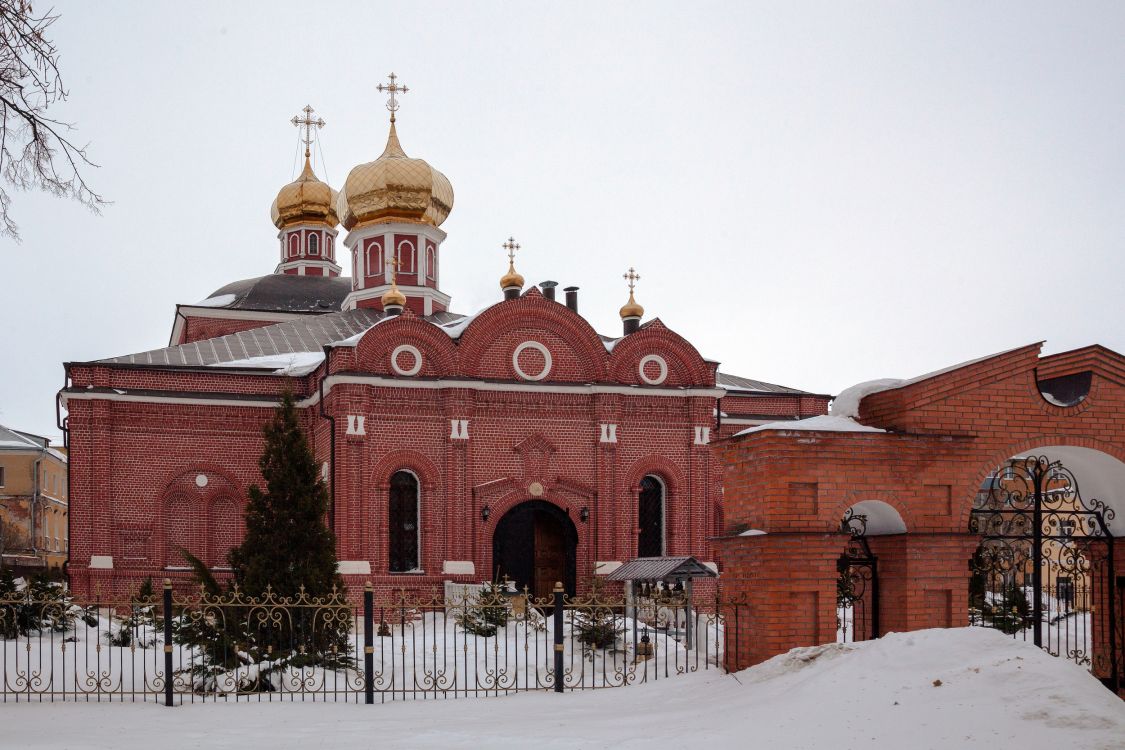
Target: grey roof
{"points": [[16, 440], [661, 569], [310, 334], [736, 383], [279, 292]]}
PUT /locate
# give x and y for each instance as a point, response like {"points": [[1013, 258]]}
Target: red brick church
{"points": [[515, 441]]}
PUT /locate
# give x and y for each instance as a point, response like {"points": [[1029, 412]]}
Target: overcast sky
{"points": [[814, 194]]}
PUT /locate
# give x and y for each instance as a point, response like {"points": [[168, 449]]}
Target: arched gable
{"points": [[679, 364], [186, 513], [529, 325], [405, 338]]}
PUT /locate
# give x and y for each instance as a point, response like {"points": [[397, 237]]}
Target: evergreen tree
{"points": [[287, 543]]}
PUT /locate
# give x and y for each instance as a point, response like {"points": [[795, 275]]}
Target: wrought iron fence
{"points": [[175, 648]]}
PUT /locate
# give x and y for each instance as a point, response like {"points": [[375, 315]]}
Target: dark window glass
{"points": [[403, 525], [650, 518], [314, 245]]}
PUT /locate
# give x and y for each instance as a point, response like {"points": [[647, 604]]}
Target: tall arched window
{"points": [[406, 257], [374, 258], [314, 244], [650, 517], [403, 526], [431, 263]]}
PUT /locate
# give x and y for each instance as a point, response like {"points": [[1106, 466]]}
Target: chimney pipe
{"points": [[512, 292], [631, 325], [548, 288], [572, 297]]}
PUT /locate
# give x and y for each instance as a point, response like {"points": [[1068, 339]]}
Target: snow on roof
{"points": [[221, 300], [822, 423], [847, 403], [456, 327], [294, 363], [737, 383]]}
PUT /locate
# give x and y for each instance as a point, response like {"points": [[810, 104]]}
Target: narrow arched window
{"points": [[314, 244], [431, 263], [403, 522], [650, 517], [406, 257], [294, 246]]}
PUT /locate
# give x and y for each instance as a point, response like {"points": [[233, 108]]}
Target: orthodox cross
{"points": [[394, 263], [392, 88], [511, 246], [309, 123], [632, 277]]}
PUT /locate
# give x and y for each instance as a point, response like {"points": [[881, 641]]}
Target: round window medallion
{"points": [[535, 489], [537, 347], [200, 480], [412, 351], [662, 369]]}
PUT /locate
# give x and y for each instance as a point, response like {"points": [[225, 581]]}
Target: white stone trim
{"points": [[660, 362], [458, 429], [201, 480], [539, 348], [702, 435], [101, 562], [609, 433], [353, 567], [355, 425], [375, 380], [406, 348], [458, 568]]}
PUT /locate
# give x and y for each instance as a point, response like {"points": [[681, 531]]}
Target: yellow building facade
{"points": [[33, 503]]}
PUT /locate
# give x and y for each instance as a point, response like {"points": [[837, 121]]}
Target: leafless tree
{"points": [[35, 152]]}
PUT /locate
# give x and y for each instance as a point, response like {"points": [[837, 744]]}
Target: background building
{"points": [[33, 503]]}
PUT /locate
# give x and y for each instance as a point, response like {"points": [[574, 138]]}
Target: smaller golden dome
{"points": [[306, 199], [393, 297], [632, 309], [511, 278]]}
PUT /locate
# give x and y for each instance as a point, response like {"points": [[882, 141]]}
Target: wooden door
{"points": [[550, 554]]}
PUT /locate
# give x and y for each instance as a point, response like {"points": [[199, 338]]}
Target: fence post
{"points": [[368, 644], [558, 592], [167, 641]]}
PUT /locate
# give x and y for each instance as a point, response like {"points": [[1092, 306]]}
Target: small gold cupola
{"points": [[306, 199], [393, 300], [631, 312], [511, 282]]}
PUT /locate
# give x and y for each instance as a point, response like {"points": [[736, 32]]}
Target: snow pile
{"points": [[964, 688], [823, 423], [220, 301], [847, 403], [294, 363]]}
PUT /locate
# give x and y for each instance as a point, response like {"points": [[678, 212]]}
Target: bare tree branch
{"points": [[32, 144]]}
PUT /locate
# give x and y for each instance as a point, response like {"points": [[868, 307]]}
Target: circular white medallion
{"points": [[537, 347], [659, 362], [535, 489], [200, 480], [411, 350]]}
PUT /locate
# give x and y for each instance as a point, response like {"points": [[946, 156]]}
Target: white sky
{"points": [[814, 194]]}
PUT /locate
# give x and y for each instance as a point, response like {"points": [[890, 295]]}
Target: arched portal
{"points": [[536, 544], [1044, 569]]}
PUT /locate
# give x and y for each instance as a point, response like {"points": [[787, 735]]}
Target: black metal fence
{"points": [[488, 641]]}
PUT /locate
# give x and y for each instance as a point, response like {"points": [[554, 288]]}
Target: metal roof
{"points": [[736, 383], [661, 569], [280, 292]]}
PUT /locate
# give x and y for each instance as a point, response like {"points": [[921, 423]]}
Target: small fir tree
{"points": [[486, 611], [138, 628], [594, 620]]}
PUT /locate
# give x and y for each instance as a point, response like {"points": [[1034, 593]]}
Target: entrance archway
{"points": [[536, 544]]}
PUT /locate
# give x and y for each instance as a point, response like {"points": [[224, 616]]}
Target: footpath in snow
{"points": [[960, 688]]}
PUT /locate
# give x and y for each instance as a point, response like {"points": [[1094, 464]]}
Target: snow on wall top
{"points": [[822, 423]]}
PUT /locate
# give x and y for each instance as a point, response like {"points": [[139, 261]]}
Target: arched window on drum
{"points": [[404, 522], [314, 244], [651, 503]]}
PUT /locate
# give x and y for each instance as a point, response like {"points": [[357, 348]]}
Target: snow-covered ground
{"points": [[960, 688]]}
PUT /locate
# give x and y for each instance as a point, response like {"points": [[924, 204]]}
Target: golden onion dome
{"points": [[511, 278], [632, 309], [395, 187], [393, 297], [306, 199]]}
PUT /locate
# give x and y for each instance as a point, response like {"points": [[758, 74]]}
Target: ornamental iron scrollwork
{"points": [[1044, 568], [857, 587]]}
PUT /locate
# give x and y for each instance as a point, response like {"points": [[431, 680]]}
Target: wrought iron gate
{"points": [[857, 588], [1044, 568]]}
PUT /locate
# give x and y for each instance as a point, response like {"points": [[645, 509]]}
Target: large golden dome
{"points": [[395, 187], [306, 199]]}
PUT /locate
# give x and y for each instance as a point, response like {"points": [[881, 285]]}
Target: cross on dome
{"points": [[309, 123], [392, 88], [511, 246], [511, 282], [632, 277]]}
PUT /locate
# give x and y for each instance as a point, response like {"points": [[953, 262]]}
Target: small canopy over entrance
{"points": [[661, 569]]}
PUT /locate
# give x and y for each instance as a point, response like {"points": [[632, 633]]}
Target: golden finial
{"points": [[393, 297], [392, 88], [309, 123], [512, 279], [631, 308]]}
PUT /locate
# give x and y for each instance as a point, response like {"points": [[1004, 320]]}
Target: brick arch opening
{"points": [[535, 544]]}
